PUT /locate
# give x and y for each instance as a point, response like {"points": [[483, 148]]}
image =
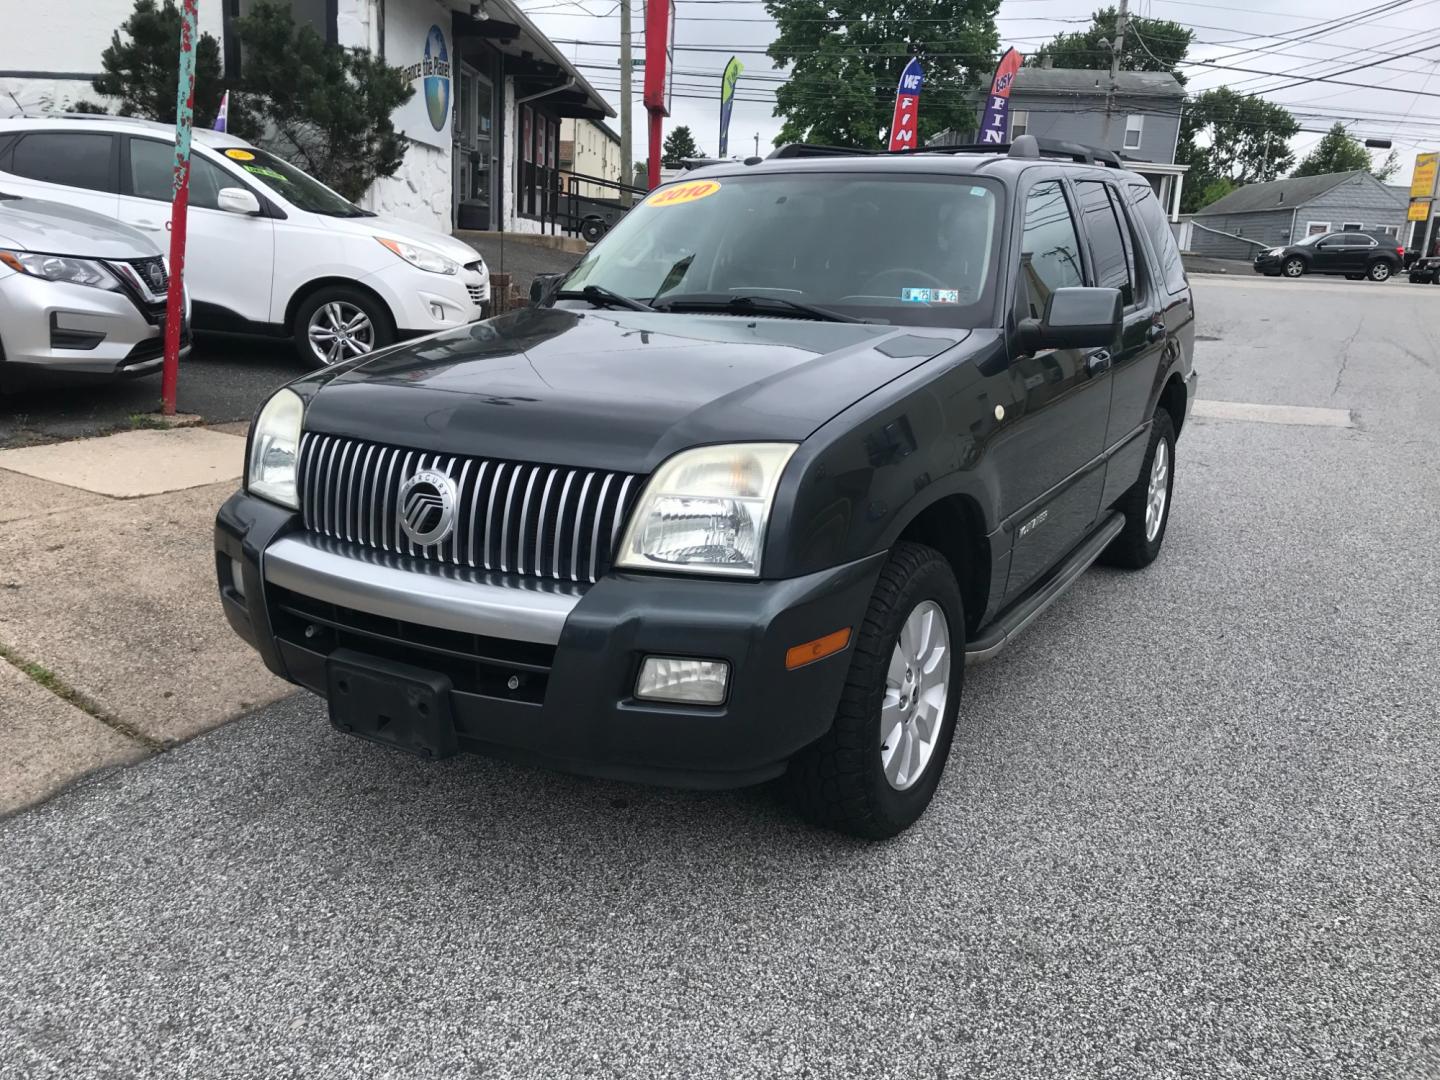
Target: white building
{"points": [[592, 148], [491, 92]]}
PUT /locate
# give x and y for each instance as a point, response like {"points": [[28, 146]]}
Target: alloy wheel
{"points": [[917, 685], [1294, 268], [1380, 271], [1159, 491], [339, 331]]}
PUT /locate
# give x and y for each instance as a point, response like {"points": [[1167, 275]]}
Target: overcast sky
{"points": [[1265, 41]]}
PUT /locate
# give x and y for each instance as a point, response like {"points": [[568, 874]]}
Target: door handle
{"points": [[1155, 333], [1097, 363]]}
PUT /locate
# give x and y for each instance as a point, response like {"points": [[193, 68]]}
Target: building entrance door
{"points": [[474, 151]]}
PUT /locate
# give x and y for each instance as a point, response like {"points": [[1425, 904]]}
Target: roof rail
{"points": [[1024, 146]]}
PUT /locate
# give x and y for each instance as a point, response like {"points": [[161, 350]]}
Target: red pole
{"points": [[179, 207], [654, 163]]}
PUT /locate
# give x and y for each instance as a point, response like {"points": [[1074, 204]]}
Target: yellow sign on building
{"points": [[1422, 184], [1419, 210]]}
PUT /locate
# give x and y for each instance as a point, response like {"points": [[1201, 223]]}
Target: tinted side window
{"points": [[1049, 247], [74, 159], [1152, 220], [152, 168], [1112, 269]]}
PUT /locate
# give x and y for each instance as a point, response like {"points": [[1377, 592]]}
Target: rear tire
{"points": [[592, 229], [338, 323], [854, 779], [1380, 271], [1146, 505]]}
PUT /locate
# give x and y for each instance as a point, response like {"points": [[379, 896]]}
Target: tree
{"points": [[1214, 191], [142, 66], [846, 57], [1338, 152], [1150, 45], [326, 108], [1234, 137], [679, 145]]}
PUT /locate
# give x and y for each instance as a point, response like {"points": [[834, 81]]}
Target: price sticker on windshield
{"points": [[684, 193], [240, 155]]}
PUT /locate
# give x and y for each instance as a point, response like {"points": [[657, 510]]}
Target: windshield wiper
{"points": [[603, 297], [746, 303]]}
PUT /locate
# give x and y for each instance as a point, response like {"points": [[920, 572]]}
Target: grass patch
{"points": [[148, 422], [43, 676]]}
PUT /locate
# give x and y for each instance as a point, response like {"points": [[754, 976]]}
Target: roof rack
{"points": [[1024, 146]]}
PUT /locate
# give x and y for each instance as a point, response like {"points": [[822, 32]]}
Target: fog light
{"points": [[437, 312], [696, 682], [237, 577]]}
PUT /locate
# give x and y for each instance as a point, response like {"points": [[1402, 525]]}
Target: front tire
{"points": [[1294, 267], [1146, 505], [874, 773], [1380, 271], [339, 323]]}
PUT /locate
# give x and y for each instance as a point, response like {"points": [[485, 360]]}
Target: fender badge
{"points": [[999, 412]]}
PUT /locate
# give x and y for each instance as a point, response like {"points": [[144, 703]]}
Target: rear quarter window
{"points": [[1162, 240], [74, 159]]}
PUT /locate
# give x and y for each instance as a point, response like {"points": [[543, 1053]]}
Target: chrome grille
{"points": [[538, 520]]}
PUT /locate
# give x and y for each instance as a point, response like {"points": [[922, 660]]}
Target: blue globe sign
{"points": [[436, 69]]}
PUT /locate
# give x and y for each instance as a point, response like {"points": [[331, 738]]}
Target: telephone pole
{"points": [[1116, 47], [628, 170]]}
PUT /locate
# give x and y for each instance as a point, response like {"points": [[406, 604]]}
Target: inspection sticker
{"points": [[930, 296], [684, 193], [240, 155]]}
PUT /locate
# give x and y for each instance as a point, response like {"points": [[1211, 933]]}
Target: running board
{"points": [[1006, 628]]}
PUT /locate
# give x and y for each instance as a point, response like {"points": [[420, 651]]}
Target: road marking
{"points": [[1305, 415]]}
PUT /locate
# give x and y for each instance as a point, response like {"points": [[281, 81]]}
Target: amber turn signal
{"points": [[818, 649]]}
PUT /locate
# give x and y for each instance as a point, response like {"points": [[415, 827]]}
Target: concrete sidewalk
{"points": [[113, 642]]}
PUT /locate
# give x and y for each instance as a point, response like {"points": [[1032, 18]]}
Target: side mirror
{"points": [[1078, 318], [543, 289], [234, 200]]}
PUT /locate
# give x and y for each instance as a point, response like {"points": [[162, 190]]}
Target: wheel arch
{"points": [[1173, 400], [954, 525], [310, 288]]}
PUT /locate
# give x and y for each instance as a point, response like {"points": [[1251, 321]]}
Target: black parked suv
{"points": [[746, 491], [1356, 255]]}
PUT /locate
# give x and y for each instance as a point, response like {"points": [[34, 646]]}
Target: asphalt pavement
{"points": [[225, 379], [1189, 829]]}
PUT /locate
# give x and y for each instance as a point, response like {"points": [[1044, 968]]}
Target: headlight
{"points": [[1276, 251], [60, 268], [275, 449], [705, 510], [422, 258]]}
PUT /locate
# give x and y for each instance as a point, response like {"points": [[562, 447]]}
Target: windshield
{"points": [[299, 189], [913, 249]]}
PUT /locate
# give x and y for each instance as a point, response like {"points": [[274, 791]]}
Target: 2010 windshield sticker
{"points": [[240, 155], [684, 193], [930, 296]]}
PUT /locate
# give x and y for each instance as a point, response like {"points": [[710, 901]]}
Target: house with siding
{"points": [[1282, 212], [1137, 116]]}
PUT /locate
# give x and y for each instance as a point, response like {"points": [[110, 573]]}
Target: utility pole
{"points": [[628, 172], [1116, 47], [757, 144]]}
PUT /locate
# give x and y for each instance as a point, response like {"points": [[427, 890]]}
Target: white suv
{"points": [[270, 249]]}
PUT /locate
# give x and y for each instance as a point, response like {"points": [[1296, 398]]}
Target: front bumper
{"points": [[1265, 263], [425, 303], [1424, 270], [545, 672], [54, 328]]}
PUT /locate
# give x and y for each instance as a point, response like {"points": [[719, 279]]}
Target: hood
{"points": [[57, 229], [396, 229], [616, 390]]}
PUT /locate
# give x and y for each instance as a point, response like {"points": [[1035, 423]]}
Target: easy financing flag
{"points": [[904, 126], [727, 100], [996, 128]]}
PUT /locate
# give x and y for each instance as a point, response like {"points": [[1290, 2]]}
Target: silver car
{"points": [[80, 294]]}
